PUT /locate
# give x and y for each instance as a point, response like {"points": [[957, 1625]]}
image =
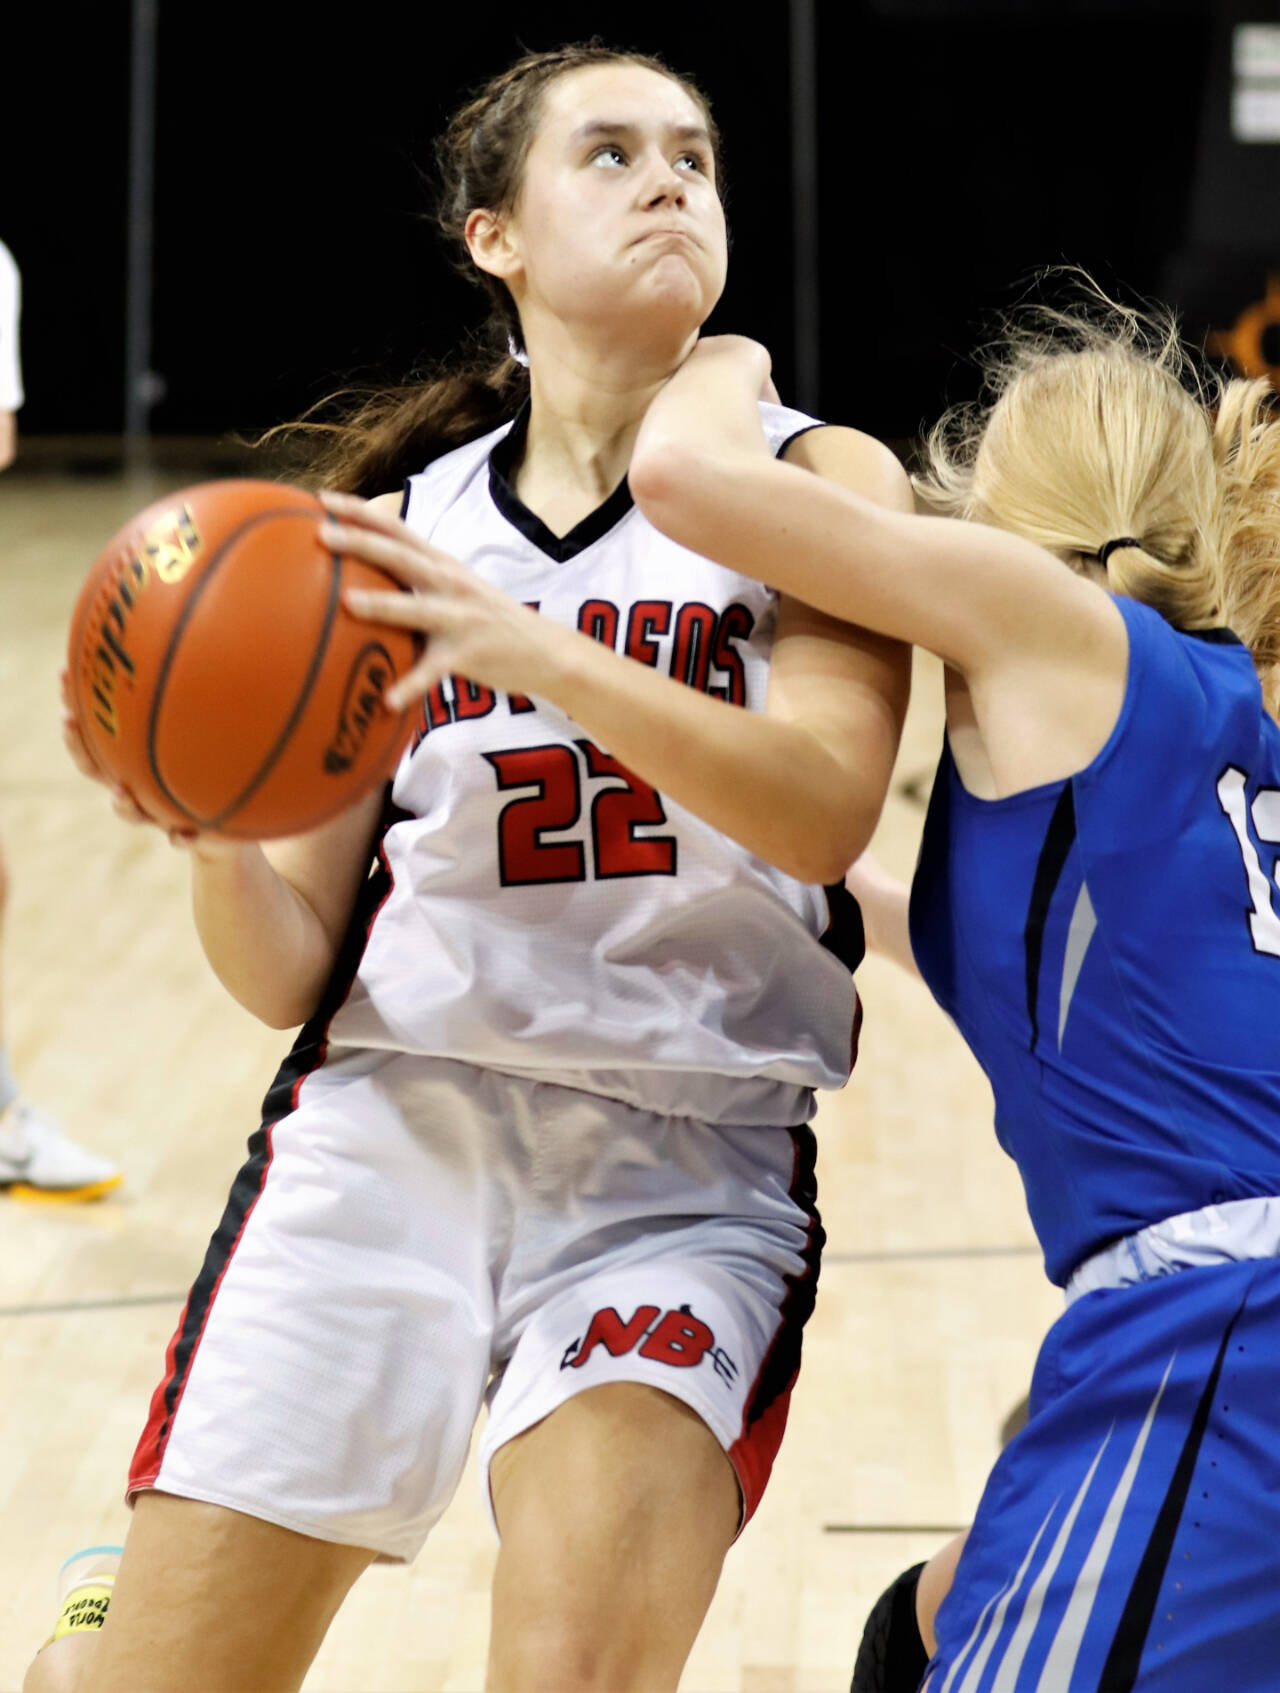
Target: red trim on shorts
{"points": [[306, 1056], [752, 1453], [764, 1418]]}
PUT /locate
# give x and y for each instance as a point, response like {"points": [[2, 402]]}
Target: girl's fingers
{"points": [[127, 808], [386, 551], [81, 757], [360, 514], [428, 614], [416, 682], [122, 801], [406, 611], [351, 506], [381, 539]]}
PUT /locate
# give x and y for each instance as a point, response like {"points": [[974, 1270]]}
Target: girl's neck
{"points": [[585, 414]]}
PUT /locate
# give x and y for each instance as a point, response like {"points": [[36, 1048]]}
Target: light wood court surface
{"points": [[931, 1305]]}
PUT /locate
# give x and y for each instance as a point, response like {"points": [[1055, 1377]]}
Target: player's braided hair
{"points": [[379, 437]]}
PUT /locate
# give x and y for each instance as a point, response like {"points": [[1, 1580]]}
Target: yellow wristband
{"points": [[85, 1607]]}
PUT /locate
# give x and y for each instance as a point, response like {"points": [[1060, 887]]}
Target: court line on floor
{"points": [[895, 1528], [912, 1254], [71, 1305], [898, 1255], [901, 1255]]}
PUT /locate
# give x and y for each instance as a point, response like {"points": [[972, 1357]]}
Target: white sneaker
{"points": [[37, 1161]]}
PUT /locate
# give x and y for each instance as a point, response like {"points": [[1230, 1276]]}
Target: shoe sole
{"points": [[62, 1195]]}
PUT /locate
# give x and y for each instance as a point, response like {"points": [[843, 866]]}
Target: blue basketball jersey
{"points": [[1109, 947]]}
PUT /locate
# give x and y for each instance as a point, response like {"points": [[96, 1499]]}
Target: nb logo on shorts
{"points": [[677, 1338]]}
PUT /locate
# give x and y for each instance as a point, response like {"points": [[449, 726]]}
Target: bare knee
{"points": [[616, 1512], [557, 1652], [593, 1617]]}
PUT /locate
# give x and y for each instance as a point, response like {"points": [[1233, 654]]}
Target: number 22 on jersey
{"points": [[554, 773]]}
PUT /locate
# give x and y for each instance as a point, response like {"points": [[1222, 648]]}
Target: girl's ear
{"points": [[491, 245]]}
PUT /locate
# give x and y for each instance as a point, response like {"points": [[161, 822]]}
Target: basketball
{"points": [[216, 673]]}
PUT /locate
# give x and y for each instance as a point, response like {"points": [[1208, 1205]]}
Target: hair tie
{"points": [[1105, 551]]}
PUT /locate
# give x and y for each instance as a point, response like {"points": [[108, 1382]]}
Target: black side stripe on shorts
{"points": [[1120, 1672], [244, 1193], [783, 1359], [1058, 841], [845, 935]]}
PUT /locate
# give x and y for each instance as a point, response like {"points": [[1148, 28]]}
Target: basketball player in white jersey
{"points": [[36, 1159], [542, 1144]]}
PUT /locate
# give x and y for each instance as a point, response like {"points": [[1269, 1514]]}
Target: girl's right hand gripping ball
{"points": [[216, 674]]}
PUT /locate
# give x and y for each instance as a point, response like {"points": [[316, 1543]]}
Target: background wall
{"points": [[962, 144]]}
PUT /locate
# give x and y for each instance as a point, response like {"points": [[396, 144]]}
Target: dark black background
{"points": [[960, 146]]}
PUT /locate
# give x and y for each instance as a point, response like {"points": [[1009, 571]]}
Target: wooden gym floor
{"points": [[931, 1305]]}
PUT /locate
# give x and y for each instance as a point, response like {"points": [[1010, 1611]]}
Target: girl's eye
{"points": [[694, 160], [610, 155]]}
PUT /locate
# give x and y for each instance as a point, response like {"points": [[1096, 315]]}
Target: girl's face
{"points": [[617, 229]]}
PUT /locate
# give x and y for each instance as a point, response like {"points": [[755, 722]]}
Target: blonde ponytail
{"points": [[1247, 450], [1089, 433]]}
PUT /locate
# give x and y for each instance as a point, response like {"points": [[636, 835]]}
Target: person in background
{"points": [[36, 1158]]}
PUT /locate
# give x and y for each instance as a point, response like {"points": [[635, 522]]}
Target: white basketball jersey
{"points": [[10, 308], [552, 916]]}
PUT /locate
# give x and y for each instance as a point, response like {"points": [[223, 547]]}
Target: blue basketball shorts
{"points": [[1129, 1537]]}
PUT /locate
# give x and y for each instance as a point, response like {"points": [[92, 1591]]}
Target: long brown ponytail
{"points": [[367, 442]]}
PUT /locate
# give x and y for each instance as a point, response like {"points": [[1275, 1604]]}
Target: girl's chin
{"points": [[660, 312]]}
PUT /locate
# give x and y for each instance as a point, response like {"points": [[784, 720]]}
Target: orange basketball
{"points": [[216, 673]]}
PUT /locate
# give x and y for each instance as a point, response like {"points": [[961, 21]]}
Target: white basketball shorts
{"points": [[417, 1237]]}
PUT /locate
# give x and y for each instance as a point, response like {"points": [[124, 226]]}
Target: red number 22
{"points": [[525, 856]]}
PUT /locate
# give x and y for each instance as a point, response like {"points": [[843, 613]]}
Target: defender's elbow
{"points": [[280, 1010], [824, 858], [279, 1018], [666, 478], [846, 843]]}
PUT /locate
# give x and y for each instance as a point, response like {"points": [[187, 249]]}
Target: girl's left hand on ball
{"points": [[472, 629]]}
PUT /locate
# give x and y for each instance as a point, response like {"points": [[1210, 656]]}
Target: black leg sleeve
{"points": [[892, 1658]]}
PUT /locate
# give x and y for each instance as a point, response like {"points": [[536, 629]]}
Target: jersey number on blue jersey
{"points": [[1264, 923]]}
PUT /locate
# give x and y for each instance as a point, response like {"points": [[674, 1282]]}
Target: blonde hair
{"points": [[1095, 426], [1247, 452]]}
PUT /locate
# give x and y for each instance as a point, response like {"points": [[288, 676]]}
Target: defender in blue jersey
{"points": [[1096, 906]]}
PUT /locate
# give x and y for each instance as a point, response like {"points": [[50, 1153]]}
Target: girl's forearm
{"points": [[773, 785], [265, 943], [885, 904]]}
